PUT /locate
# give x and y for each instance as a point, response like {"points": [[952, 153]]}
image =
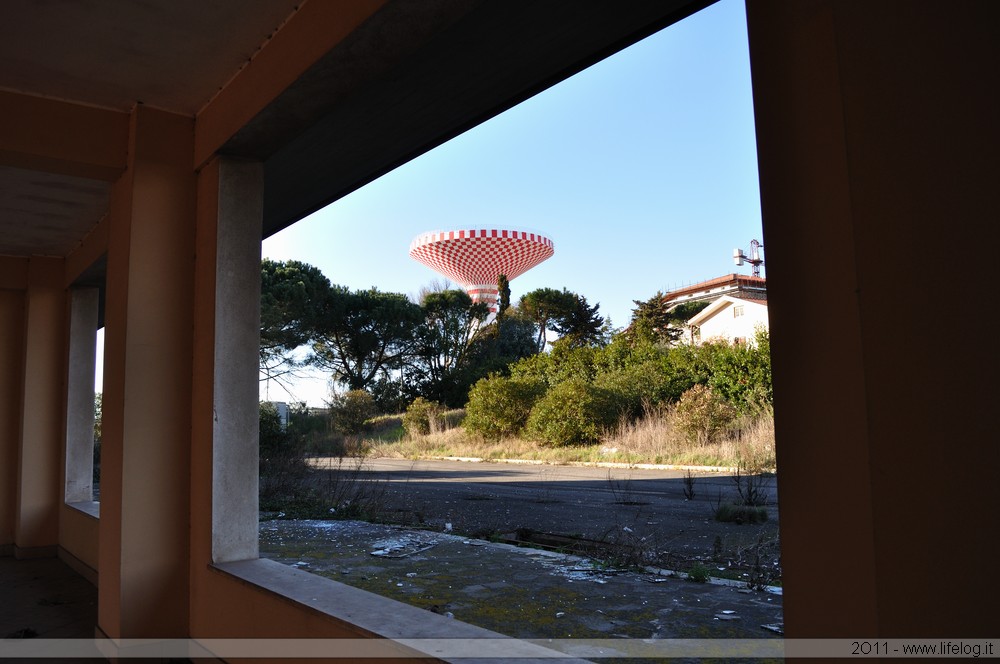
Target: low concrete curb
{"points": [[592, 464]]}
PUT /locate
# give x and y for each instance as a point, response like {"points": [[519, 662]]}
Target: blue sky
{"points": [[642, 169]]}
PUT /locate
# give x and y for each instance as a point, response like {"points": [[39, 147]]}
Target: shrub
{"points": [[647, 383], [350, 411], [699, 573], [742, 373], [702, 414], [572, 412], [421, 415], [390, 395], [564, 362], [500, 406], [740, 514]]}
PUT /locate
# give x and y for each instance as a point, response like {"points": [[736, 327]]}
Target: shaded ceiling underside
{"points": [[412, 76]]}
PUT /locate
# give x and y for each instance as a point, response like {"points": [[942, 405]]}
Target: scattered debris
{"points": [[560, 614], [723, 616], [401, 547], [777, 628]]}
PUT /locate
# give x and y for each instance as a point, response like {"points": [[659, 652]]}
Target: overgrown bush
{"points": [[740, 514], [349, 411], [314, 428], [702, 414], [741, 373], [646, 384], [562, 363], [390, 395], [699, 573], [573, 412], [500, 406], [422, 416]]}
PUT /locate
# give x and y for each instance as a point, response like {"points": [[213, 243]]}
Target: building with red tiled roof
{"points": [[736, 285], [730, 288]]}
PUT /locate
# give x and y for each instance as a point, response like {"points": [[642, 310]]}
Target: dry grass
{"points": [[652, 439]]}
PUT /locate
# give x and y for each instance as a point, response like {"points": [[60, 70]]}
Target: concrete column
{"points": [[11, 373], [83, 311], [237, 356], [227, 341], [145, 451], [224, 506], [875, 132], [36, 523]]}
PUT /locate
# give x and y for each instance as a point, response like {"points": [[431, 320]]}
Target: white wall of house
{"points": [[730, 319]]}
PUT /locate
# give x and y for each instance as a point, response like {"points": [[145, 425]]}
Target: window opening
{"points": [[345, 454]]}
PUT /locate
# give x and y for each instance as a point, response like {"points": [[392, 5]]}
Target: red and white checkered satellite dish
{"points": [[476, 257]]}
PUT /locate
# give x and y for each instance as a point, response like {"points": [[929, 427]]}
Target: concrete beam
{"points": [[432, 70], [89, 252], [304, 38], [13, 272], [61, 137]]}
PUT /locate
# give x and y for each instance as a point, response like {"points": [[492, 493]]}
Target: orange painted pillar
{"points": [[145, 464], [13, 283], [875, 134], [36, 525]]}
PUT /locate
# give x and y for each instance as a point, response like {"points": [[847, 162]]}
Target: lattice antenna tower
{"points": [[754, 259]]}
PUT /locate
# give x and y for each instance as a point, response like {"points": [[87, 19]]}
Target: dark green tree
{"points": [[545, 307], [503, 291], [451, 322], [581, 325], [497, 346], [292, 296], [363, 334], [658, 321]]}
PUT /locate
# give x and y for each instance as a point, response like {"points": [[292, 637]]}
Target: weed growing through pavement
{"points": [[546, 486], [328, 488], [750, 486], [762, 575], [698, 573], [688, 485], [623, 490]]}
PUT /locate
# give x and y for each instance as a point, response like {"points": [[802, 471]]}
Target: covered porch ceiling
{"points": [[328, 95]]}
